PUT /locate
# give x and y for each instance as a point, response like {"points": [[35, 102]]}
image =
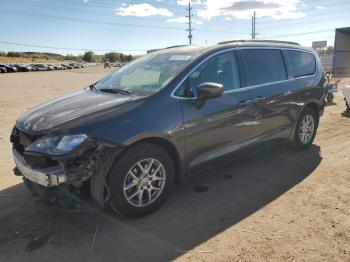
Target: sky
{"points": [[135, 26]]}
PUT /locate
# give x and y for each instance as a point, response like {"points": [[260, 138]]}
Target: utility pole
{"points": [[190, 29], [253, 25]]}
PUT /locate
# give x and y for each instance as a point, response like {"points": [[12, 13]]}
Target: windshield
{"points": [[147, 74]]}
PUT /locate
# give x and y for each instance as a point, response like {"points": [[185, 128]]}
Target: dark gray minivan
{"points": [[131, 135]]}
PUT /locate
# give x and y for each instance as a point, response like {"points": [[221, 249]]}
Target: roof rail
{"points": [[174, 46], [168, 47], [259, 41]]}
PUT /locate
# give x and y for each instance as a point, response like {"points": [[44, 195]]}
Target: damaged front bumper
{"points": [[48, 177], [86, 167]]}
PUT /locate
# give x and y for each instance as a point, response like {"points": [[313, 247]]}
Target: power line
{"points": [[73, 49], [60, 18], [189, 9]]}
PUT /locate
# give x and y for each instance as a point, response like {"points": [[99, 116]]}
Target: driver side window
{"points": [[221, 69]]}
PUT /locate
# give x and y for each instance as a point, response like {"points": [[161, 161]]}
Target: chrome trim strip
{"points": [[242, 88], [47, 177]]}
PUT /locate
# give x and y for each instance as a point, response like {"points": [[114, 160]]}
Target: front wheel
{"points": [[140, 180], [306, 129]]}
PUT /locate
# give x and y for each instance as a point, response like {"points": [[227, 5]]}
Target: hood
{"points": [[62, 110]]}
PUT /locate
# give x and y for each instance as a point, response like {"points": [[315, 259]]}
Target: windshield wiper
{"points": [[92, 87], [115, 91]]}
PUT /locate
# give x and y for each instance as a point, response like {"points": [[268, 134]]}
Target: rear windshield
{"points": [[301, 63], [263, 66], [149, 73]]}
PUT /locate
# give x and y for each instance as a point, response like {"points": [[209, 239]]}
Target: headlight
{"points": [[57, 145]]}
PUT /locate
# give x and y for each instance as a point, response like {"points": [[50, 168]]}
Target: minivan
{"points": [[130, 136]]}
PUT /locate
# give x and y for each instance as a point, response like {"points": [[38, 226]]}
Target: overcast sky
{"points": [[133, 26]]}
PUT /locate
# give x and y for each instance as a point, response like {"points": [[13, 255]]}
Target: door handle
{"points": [[259, 99], [243, 103]]}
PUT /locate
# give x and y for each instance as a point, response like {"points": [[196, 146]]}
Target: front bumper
{"points": [[48, 177]]}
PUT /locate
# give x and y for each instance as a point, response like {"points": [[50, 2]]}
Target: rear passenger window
{"points": [[263, 66], [301, 63]]}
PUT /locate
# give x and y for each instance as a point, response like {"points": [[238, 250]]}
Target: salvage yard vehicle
{"points": [[9, 69], [346, 93], [22, 68], [39, 67], [332, 87], [131, 135], [3, 69]]}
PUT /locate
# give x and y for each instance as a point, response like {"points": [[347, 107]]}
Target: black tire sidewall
{"points": [[297, 143], [119, 171]]}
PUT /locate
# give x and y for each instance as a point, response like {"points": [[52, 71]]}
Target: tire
{"points": [[126, 172], [330, 98], [299, 141]]}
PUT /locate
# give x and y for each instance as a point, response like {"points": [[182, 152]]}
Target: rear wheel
{"points": [[140, 180], [306, 129]]}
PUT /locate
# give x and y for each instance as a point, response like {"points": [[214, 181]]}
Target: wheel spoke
{"points": [[157, 178], [137, 192], [156, 188], [134, 177], [139, 199], [141, 168], [150, 166], [156, 171], [130, 185]]}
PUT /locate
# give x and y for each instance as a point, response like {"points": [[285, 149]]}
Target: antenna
{"points": [[190, 29]]}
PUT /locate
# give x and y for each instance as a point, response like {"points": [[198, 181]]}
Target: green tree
{"points": [[129, 58], [89, 56], [112, 57], [14, 54]]}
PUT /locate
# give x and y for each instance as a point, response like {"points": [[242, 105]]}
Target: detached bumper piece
{"points": [[48, 177]]}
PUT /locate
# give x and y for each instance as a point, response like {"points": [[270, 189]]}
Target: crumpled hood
{"points": [[68, 108]]}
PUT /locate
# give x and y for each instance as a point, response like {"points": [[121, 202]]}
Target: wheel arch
{"points": [[168, 146], [312, 105]]}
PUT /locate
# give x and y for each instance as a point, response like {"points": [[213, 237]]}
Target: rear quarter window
{"points": [[263, 66], [301, 63]]}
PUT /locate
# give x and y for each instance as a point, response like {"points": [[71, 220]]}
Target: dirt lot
{"points": [[271, 205]]}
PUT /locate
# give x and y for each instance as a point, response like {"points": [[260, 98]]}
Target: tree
{"points": [[122, 58], [129, 58], [112, 57], [89, 56]]}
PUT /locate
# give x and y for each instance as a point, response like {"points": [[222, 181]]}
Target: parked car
{"points": [[66, 66], [3, 69], [129, 136], [57, 67], [39, 67], [9, 69], [50, 67], [22, 68]]}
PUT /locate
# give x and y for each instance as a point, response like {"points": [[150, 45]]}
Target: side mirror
{"points": [[208, 90]]}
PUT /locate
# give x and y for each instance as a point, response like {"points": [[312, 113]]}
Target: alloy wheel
{"points": [[144, 182]]}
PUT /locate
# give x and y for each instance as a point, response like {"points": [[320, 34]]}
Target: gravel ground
{"points": [[275, 204]]}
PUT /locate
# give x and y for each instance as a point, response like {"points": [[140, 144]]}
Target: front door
{"points": [[220, 125]]}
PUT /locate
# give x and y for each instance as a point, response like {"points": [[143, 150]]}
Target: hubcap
{"points": [[306, 129], [144, 182]]}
